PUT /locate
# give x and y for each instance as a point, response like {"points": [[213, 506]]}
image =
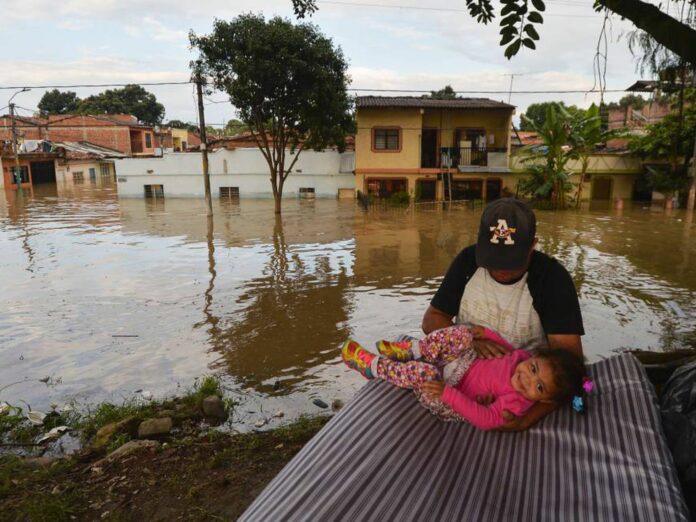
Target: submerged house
{"points": [[235, 173], [432, 149]]}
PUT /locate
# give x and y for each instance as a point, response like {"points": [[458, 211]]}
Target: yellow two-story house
{"points": [[433, 149]]}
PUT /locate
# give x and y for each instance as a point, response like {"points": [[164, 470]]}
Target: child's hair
{"points": [[568, 373]]}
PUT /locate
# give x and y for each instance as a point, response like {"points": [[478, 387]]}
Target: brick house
{"points": [[120, 132]]}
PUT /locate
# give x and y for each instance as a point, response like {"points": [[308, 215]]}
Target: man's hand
{"points": [[433, 388], [488, 349]]}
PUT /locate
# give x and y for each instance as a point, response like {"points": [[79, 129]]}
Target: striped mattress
{"points": [[384, 457]]}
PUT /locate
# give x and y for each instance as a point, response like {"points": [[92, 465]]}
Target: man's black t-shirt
{"points": [[547, 285]]}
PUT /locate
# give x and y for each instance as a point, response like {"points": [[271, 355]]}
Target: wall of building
{"points": [[622, 171], [181, 174], [66, 169], [99, 131], [410, 123], [7, 166], [494, 122]]}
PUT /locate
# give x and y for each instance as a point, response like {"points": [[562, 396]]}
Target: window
{"points": [[154, 191], [148, 140], [93, 175], [386, 139], [23, 172], [307, 192], [104, 170], [78, 177], [229, 192]]}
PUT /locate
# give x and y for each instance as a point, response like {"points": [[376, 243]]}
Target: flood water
{"points": [[108, 296]]}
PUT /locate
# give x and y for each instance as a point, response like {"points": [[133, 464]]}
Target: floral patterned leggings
{"points": [[437, 349], [451, 347]]}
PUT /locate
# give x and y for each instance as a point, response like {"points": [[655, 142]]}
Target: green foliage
{"points": [[535, 115], [588, 133], [209, 385], [670, 138], [58, 102], [635, 101], [235, 127], [288, 83], [399, 199], [517, 17], [446, 93], [131, 99], [672, 141], [178, 124], [118, 441], [549, 178]]}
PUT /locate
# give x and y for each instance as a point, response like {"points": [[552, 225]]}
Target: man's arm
{"points": [[434, 319], [570, 342]]}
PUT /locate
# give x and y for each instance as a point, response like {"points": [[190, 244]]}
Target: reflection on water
{"points": [[265, 302]]}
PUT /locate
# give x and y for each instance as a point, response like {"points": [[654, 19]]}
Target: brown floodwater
{"points": [[109, 296]]}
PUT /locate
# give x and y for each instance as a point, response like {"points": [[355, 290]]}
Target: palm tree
{"points": [[550, 179], [586, 136]]}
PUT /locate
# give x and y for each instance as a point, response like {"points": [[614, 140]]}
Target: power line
{"points": [[93, 85], [447, 9], [360, 89]]}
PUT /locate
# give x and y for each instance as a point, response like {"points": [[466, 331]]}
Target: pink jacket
{"points": [[488, 377]]}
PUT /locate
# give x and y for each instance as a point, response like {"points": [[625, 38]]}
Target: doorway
{"points": [[43, 172], [493, 188], [429, 149], [601, 188], [426, 190]]}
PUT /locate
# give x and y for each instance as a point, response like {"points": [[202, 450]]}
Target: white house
{"points": [[241, 172]]}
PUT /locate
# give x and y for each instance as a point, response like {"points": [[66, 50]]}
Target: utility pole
{"points": [[15, 148], [204, 145]]}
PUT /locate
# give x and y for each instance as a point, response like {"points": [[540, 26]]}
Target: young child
{"points": [[443, 370]]}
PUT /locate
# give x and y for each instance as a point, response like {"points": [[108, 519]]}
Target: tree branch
{"points": [[670, 32]]}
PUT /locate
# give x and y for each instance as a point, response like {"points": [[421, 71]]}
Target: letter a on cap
{"points": [[502, 230]]}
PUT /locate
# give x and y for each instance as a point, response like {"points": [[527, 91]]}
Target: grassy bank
{"points": [[210, 477], [141, 460]]}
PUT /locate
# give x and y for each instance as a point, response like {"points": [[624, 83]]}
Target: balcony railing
{"points": [[465, 157]]}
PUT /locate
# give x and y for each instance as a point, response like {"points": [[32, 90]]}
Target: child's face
{"points": [[533, 378]]}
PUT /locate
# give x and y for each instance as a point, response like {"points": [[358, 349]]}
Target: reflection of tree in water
{"points": [[294, 320]]}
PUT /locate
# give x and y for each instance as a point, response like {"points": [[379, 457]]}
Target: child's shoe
{"points": [[358, 358], [396, 350]]}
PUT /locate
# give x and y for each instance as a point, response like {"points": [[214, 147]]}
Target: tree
{"points": [[131, 99], [670, 140], [535, 115], [446, 93], [287, 81], [549, 178], [234, 127], [588, 133], [521, 19], [634, 101], [58, 102], [178, 124]]}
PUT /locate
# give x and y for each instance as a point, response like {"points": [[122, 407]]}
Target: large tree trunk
{"points": [[278, 197], [670, 32]]}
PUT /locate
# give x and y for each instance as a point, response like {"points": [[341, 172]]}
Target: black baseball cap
{"points": [[506, 234]]}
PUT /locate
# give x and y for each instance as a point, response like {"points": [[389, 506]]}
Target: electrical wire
{"points": [[448, 9], [350, 89]]}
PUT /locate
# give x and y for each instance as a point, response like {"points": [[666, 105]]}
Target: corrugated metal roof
{"points": [[86, 149], [430, 103]]}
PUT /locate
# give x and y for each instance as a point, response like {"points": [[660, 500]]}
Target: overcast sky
{"points": [[120, 41]]}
